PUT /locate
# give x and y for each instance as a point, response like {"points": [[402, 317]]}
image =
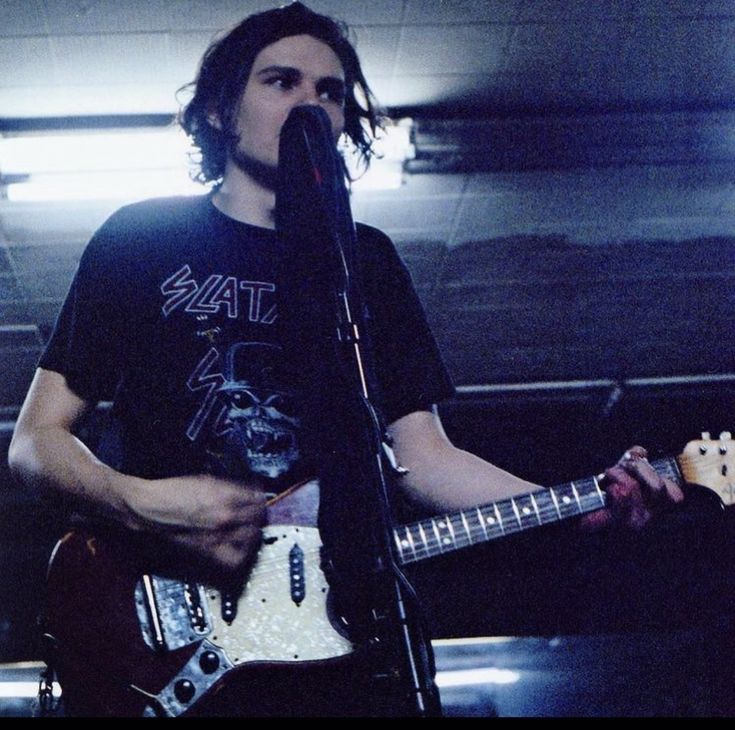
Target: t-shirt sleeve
{"points": [[85, 344], [409, 367]]}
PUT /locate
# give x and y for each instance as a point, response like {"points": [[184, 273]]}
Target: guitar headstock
{"points": [[711, 463]]}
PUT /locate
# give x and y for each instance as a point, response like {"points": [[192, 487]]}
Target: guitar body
{"points": [[111, 662], [131, 643], [91, 614]]}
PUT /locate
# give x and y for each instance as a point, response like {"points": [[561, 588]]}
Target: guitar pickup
{"points": [[296, 574], [195, 603]]}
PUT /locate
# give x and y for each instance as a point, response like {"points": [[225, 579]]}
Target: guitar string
{"points": [[477, 533], [547, 513], [535, 516]]}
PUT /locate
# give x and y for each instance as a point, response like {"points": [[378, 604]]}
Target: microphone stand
{"points": [[394, 632]]}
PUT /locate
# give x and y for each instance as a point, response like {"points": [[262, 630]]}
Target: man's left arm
{"points": [[443, 477]]}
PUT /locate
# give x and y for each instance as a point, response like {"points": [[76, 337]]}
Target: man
{"points": [[173, 314]]}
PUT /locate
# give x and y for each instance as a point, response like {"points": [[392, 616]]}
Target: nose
{"points": [[310, 95]]}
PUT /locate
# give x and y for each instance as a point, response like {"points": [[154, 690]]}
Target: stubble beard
{"points": [[263, 173]]}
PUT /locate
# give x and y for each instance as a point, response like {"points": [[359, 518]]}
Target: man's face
{"points": [[295, 70]]}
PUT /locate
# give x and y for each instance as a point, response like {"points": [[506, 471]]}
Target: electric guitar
{"points": [[144, 644]]}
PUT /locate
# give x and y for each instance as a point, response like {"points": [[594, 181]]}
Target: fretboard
{"points": [[446, 533]]}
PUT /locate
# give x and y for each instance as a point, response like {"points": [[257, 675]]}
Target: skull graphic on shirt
{"points": [[258, 425]]}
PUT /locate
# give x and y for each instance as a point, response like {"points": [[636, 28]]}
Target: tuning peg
{"points": [[705, 435], [725, 436]]}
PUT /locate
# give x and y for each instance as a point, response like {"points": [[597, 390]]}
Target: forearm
{"points": [[451, 479], [49, 457], [217, 518], [441, 476]]}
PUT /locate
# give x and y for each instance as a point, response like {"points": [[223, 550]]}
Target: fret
{"points": [[423, 538], [491, 521], [450, 526], [418, 551], [444, 533], [535, 507], [515, 512], [399, 546], [600, 493], [436, 534], [460, 533], [567, 505], [466, 527], [430, 537], [546, 508], [481, 520], [476, 525], [526, 511], [594, 496], [499, 518], [576, 495], [506, 512], [406, 542], [556, 503]]}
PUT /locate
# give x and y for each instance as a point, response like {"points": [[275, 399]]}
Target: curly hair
{"points": [[225, 69]]}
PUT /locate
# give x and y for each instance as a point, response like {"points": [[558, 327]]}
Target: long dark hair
{"points": [[225, 69]]}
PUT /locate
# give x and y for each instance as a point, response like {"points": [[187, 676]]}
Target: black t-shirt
{"points": [[173, 315]]}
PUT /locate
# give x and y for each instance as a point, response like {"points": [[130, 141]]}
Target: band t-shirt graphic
{"points": [[248, 409], [173, 315], [252, 415]]}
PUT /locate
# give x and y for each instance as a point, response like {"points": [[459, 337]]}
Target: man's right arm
{"points": [[218, 519]]}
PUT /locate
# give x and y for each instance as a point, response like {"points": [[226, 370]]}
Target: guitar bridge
{"points": [[171, 613]]}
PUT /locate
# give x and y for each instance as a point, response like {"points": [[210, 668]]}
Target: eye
{"points": [[281, 82], [283, 403], [242, 399], [332, 90]]}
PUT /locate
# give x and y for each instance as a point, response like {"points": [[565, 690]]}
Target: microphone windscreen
{"points": [[309, 170]]}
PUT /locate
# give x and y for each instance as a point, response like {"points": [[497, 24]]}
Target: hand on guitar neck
{"points": [[635, 491]]}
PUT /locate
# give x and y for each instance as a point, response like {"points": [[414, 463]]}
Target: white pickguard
{"points": [[269, 625]]}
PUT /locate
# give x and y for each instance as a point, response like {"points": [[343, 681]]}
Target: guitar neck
{"points": [[442, 534]]}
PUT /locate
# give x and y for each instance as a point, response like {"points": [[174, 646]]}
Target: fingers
{"points": [[635, 490], [597, 520], [217, 504], [659, 488], [236, 549], [231, 550], [625, 498]]}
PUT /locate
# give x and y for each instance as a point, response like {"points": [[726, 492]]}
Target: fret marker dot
{"points": [[404, 543], [566, 499], [526, 511], [447, 541], [442, 524], [490, 520]]}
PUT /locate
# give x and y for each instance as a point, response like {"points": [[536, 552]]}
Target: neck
{"points": [[243, 197]]}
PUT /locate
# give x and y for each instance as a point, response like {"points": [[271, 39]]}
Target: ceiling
{"points": [[473, 57], [591, 121], [571, 86]]}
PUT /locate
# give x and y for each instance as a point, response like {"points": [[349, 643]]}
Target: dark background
{"points": [[568, 220]]}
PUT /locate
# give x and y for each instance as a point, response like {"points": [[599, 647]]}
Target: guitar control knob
{"points": [[209, 662], [184, 690]]}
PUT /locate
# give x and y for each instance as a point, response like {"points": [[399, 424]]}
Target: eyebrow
{"points": [[292, 71]]}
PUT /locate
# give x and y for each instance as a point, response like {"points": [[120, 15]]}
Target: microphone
{"points": [[311, 192]]}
